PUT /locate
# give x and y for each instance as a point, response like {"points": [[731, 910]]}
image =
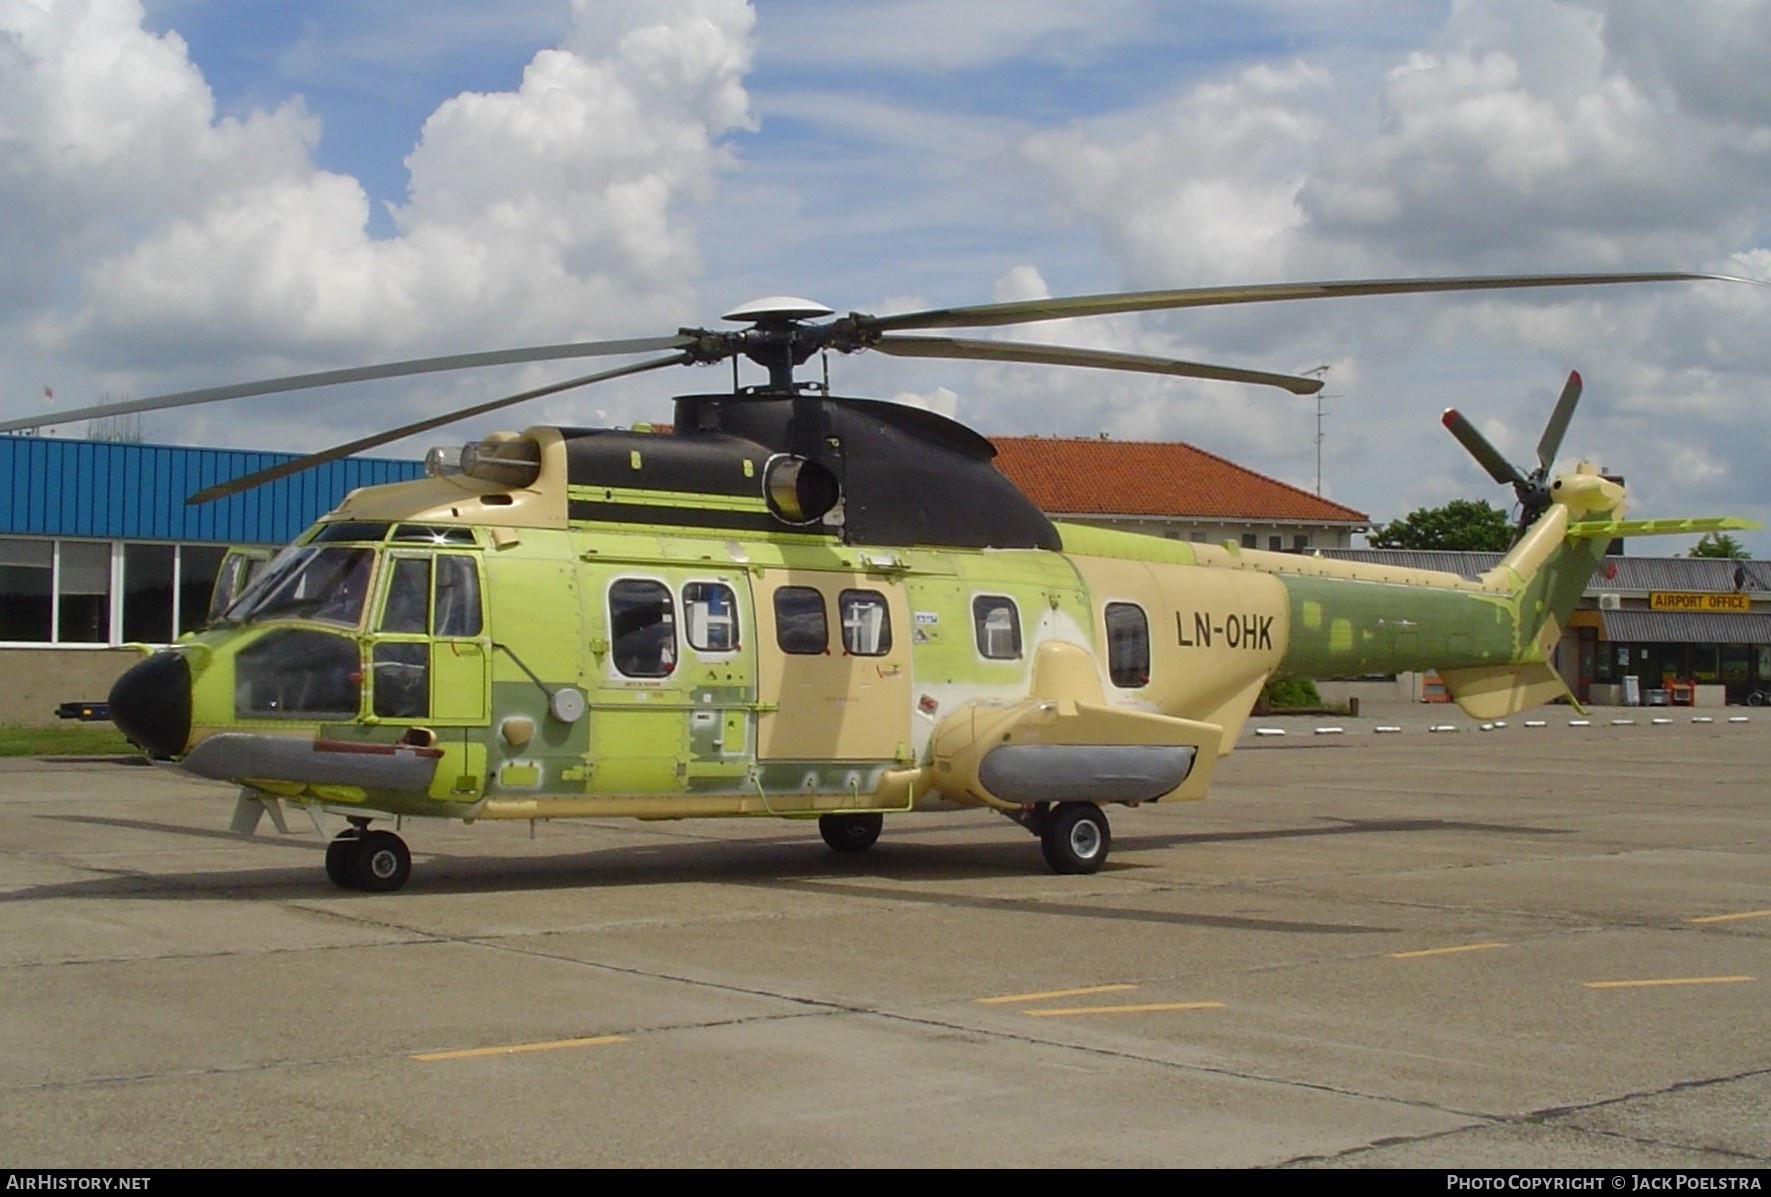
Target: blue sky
{"points": [[205, 191]]}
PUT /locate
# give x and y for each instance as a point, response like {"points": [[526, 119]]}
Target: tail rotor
{"points": [[1532, 489]]}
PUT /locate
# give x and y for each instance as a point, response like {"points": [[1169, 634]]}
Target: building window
{"points": [[1300, 543], [104, 592], [83, 592], [27, 590], [198, 567], [1275, 543], [148, 576], [1249, 540]]}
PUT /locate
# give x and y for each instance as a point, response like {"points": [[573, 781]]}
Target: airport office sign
{"points": [[1697, 600]]}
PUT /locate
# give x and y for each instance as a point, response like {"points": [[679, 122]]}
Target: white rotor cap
{"points": [[779, 307]]}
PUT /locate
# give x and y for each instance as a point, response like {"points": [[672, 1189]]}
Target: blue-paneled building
{"points": [[98, 546]]}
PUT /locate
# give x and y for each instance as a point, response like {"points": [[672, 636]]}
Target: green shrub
{"points": [[1283, 693]]}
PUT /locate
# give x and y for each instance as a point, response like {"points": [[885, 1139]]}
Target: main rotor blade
{"points": [[248, 481], [1551, 441], [1026, 311], [1498, 467], [327, 378], [1059, 355]]}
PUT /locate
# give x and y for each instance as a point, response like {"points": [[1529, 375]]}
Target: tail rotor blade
{"points": [[1551, 441], [1498, 467]]}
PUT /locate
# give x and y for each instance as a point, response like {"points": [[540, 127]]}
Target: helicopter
{"points": [[801, 605]]}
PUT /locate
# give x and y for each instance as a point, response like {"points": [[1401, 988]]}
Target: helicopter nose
{"points": [[151, 704]]}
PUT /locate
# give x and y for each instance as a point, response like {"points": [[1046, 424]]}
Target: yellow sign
{"points": [[1697, 600]]}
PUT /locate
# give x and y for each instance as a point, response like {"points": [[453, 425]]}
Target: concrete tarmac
{"points": [[1521, 947]]}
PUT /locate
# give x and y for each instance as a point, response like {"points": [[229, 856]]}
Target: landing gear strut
{"points": [[376, 862]]}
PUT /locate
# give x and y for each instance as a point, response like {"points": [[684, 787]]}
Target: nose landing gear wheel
{"points": [[1075, 838], [850, 833]]}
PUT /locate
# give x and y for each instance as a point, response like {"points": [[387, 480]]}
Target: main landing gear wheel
{"points": [[1075, 837], [338, 858], [377, 862], [850, 833]]}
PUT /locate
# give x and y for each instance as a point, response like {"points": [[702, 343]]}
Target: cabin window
{"points": [[458, 597], [997, 624], [711, 611], [1128, 645], [866, 623], [800, 627], [642, 627]]}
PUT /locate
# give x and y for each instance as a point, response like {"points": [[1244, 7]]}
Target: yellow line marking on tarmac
{"points": [[1052, 993], [511, 1049], [1666, 981], [1730, 918], [1063, 1013], [1468, 947]]}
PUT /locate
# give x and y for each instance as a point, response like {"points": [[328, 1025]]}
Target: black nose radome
{"points": [[151, 704]]}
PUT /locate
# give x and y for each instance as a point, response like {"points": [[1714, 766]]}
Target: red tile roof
{"points": [[1145, 478]]}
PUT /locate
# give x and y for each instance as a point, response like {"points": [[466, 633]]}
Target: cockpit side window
{"points": [[642, 628], [458, 611], [407, 606]]}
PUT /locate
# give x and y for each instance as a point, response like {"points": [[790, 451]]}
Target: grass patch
{"points": [[76, 739]]}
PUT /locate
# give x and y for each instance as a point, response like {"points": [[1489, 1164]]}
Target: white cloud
{"points": [[1205, 187], [552, 211], [946, 35], [1526, 136]]}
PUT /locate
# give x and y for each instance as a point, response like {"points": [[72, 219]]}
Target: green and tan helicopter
{"points": [[800, 605]]}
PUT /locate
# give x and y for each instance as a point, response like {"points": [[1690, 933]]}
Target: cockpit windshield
{"points": [[323, 583]]}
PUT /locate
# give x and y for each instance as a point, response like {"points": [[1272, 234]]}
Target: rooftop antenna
{"points": [[1322, 373]]}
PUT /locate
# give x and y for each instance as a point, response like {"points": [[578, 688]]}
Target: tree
{"points": [[1471, 526], [1719, 544]]}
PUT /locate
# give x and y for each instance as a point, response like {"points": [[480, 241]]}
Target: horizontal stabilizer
{"points": [[1612, 529]]}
